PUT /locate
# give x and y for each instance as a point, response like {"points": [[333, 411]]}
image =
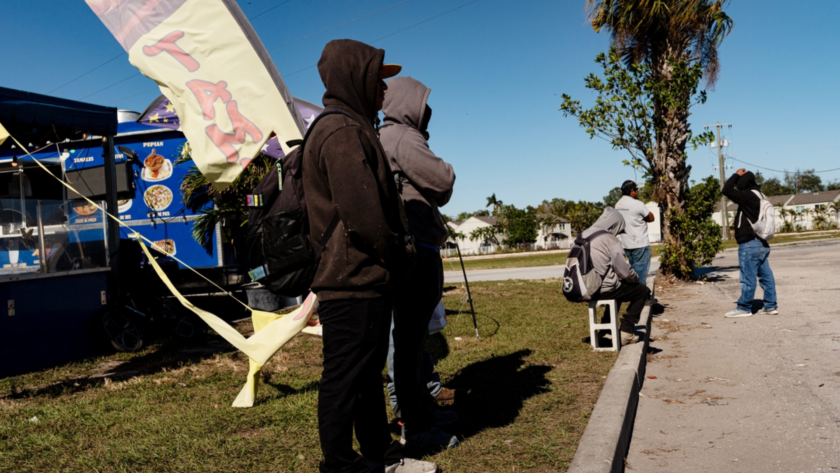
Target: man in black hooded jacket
{"points": [[753, 252], [352, 198]]}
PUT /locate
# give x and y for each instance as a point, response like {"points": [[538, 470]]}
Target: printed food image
{"points": [[158, 168], [158, 197], [164, 246], [83, 209], [123, 205]]}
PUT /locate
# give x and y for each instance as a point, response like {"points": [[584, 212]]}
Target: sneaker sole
{"points": [[737, 316]]}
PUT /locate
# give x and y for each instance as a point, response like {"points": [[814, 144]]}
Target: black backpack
{"points": [[278, 245], [580, 281]]}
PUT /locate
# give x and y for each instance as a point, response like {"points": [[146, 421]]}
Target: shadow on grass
{"points": [[496, 391], [172, 354]]}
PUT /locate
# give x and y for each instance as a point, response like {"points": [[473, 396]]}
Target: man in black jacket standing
{"points": [[753, 252], [352, 198]]}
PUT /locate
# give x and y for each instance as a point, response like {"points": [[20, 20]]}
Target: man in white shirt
{"points": [[635, 239]]}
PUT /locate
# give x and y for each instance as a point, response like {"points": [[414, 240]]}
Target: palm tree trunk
{"points": [[670, 172]]}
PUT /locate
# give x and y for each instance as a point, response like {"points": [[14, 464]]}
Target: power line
{"points": [[374, 41], [392, 34], [124, 53], [776, 170], [88, 72], [339, 25], [112, 85], [266, 11]]}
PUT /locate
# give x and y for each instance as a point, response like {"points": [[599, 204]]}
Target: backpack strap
{"points": [[302, 143]]}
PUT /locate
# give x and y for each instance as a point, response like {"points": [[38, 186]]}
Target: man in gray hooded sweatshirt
{"points": [[620, 280], [425, 183]]}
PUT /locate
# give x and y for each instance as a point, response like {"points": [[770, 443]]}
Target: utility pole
{"points": [[722, 160]]}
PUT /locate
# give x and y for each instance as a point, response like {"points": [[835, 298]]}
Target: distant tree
{"points": [[466, 215], [834, 209], [804, 181], [496, 203], [833, 185], [774, 186], [613, 197], [519, 226], [486, 235], [581, 215]]}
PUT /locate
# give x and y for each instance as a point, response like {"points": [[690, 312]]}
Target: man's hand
{"points": [[741, 172]]}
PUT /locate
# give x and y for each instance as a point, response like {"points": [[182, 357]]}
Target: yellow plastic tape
{"points": [[271, 331]]}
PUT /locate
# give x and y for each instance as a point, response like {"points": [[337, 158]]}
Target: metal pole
{"points": [[723, 211], [111, 201], [469, 295], [42, 248]]}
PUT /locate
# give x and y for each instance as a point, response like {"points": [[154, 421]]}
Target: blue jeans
{"points": [[640, 262], [427, 374], [753, 260]]}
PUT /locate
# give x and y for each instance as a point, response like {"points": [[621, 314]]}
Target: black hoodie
{"points": [[749, 204], [346, 170]]}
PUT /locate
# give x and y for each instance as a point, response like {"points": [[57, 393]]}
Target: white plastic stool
{"points": [[612, 325]]}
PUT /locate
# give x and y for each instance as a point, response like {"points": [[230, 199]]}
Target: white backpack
{"points": [[765, 226]]}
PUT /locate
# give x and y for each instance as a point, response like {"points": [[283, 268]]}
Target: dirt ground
{"points": [[755, 394]]}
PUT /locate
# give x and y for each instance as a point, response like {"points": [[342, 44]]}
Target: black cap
{"points": [[628, 187]]}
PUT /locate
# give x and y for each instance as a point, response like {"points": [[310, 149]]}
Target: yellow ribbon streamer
{"points": [[271, 331]]}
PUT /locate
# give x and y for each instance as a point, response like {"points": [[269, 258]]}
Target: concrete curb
{"points": [[605, 441]]}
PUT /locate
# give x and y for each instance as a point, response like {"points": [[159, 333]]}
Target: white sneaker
{"points": [[773, 311], [738, 313], [410, 465]]}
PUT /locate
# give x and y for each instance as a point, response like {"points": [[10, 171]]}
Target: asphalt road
{"points": [[537, 272], [755, 394]]}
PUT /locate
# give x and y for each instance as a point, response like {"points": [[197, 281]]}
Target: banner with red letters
{"points": [[210, 64]]}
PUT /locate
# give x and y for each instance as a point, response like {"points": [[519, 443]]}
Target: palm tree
{"points": [[662, 34], [228, 205], [834, 207], [496, 203]]}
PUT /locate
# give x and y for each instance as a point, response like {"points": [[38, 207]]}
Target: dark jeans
{"points": [[355, 346], [634, 293], [414, 304], [753, 259]]}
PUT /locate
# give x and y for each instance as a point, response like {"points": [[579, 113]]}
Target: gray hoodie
{"points": [[607, 253], [427, 179]]}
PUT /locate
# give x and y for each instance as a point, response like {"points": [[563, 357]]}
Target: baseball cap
{"points": [[628, 186], [389, 70]]}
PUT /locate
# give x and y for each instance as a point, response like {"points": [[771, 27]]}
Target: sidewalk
{"points": [[755, 394]]}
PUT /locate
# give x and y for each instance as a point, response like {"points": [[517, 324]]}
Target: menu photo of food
{"points": [[123, 205], [83, 208], [158, 197], [166, 247], [156, 167]]}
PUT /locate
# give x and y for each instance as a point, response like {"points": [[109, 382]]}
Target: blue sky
{"points": [[497, 69]]}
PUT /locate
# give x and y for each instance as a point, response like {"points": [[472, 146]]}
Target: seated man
{"points": [[620, 282]]}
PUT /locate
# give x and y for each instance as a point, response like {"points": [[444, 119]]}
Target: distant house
{"points": [[473, 247], [556, 234], [811, 206]]}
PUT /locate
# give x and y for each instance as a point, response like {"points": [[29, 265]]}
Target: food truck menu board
{"points": [[157, 211]]}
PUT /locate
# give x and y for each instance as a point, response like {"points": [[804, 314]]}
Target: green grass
{"points": [[531, 386], [525, 261]]}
